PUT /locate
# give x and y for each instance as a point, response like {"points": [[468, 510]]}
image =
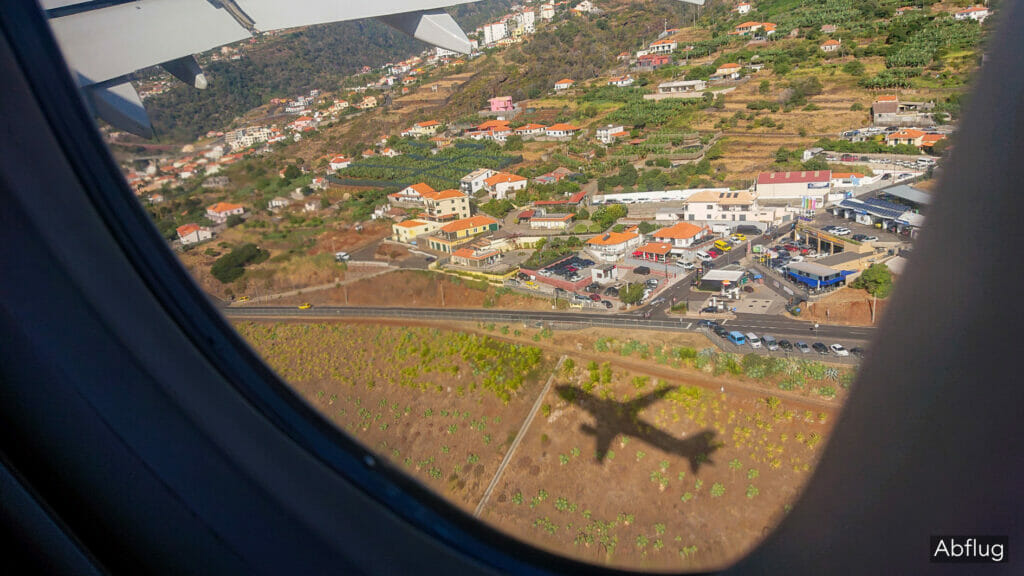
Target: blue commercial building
{"points": [[815, 275]]}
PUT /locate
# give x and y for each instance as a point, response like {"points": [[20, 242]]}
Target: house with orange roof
{"points": [[831, 45], [733, 207], [564, 84], [846, 179], [493, 124], [407, 230], [193, 233], [475, 258], [475, 181], [621, 81], [411, 194], [664, 46], [390, 153], [531, 130], [680, 235], [728, 70], [221, 211], [748, 28], [339, 162], [499, 184], [451, 235], [446, 205], [906, 136], [930, 140], [562, 130], [608, 134], [976, 13], [611, 246], [428, 128], [653, 252]]}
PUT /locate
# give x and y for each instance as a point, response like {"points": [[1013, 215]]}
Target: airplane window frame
{"points": [[482, 546]]}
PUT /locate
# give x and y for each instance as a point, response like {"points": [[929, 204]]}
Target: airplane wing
{"points": [[636, 405], [104, 42]]}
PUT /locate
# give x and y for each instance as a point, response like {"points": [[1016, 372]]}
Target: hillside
{"points": [[283, 65]]}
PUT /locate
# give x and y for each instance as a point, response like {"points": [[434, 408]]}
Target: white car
{"points": [[839, 350], [796, 258], [840, 231], [685, 265], [704, 256]]}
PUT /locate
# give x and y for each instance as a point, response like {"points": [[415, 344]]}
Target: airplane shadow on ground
{"points": [[614, 418]]}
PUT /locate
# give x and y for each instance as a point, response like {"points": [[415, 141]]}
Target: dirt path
{"points": [[519, 437]]}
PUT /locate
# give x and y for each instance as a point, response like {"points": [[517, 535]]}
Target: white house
{"points": [[585, 6], [831, 45], [978, 13], [220, 211], [500, 184], [742, 8], [494, 31], [279, 202], [562, 130], [531, 130], [411, 194], [551, 221], [474, 181], [611, 246], [621, 81], [193, 233], [730, 70], [547, 11], [564, 84], [339, 162], [713, 206], [665, 46], [607, 134]]}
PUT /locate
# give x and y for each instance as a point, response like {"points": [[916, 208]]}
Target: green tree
{"points": [[765, 87], [854, 68], [292, 172], [877, 280], [234, 220], [231, 266], [631, 293], [514, 142]]}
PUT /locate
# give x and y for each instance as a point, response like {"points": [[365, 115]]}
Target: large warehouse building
{"points": [[814, 185]]}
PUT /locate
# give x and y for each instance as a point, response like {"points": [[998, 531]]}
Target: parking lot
{"points": [[809, 348]]}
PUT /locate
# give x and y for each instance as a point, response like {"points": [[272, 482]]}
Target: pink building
{"points": [[501, 104]]}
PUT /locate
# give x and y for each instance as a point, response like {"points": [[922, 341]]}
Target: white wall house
{"points": [[475, 181]]}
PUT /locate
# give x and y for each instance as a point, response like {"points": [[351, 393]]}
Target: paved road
{"points": [[757, 323]]}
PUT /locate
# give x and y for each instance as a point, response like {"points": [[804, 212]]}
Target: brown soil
{"points": [[418, 288], [662, 498], [345, 237], [849, 307]]}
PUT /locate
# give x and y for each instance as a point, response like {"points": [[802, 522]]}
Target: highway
{"points": [[757, 323]]}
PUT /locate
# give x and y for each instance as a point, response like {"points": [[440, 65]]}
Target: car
{"points": [[803, 347], [305, 306], [638, 253], [652, 282], [841, 231], [685, 265], [829, 228], [886, 176], [785, 345], [820, 348], [593, 287], [738, 238], [703, 256], [342, 257], [706, 323], [796, 258], [747, 229], [607, 304], [791, 248], [719, 330], [430, 259], [714, 253], [859, 237], [657, 301], [545, 272], [642, 270], [857, 351], [870, 239], [839, 350], [709, 309], [243, 299], [595, 297]]}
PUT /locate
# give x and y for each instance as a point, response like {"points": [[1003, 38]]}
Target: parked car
{"points": [[859, 237], [593, 287], [753, 340], [642, 270], [839, 350], [719, 330], [858, 352], [305, 306], [706, 323], [611, 291], [652, 282], [607, 304], [714, 253], [841, 231], [595, 297], [796, 258], [685, 265], [803, 347], [769, 342], [785, 345], [820, 348], [657, 301], [870, 239], [709, 309], [703, 256]]}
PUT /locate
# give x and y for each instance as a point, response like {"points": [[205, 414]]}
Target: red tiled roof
{"points": [[660, 248], [467, 223], [612, 238], [678, 231], [223, 207], [503, 177], [186, 229], [563, 128], [422, 188]]}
